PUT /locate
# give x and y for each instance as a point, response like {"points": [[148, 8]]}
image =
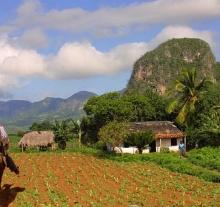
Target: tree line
{"points": [[191, 103]]}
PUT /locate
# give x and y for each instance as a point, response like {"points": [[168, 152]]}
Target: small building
{"points": [[40, 139], [167, 135]]}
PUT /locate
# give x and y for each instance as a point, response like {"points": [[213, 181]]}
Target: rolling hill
{"points": [[19, 114]]}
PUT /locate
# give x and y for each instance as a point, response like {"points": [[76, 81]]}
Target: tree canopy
{"points": [[122, 107], [187, 92], [113, 133], [140, 139]]}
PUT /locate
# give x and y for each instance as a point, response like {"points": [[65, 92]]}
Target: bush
{"points": [[140, 139], [62, 144], [41, 126], [172, 162], [20, 133], [99, 146], [114, 133], [61, 133], [164, 149], [202, 138], [207, 157]]}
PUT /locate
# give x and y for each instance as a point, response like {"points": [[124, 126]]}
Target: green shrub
{"points": [[113, 133], [20, 133], [140, 139], [207, 157], [165, 149], [172, 162]]}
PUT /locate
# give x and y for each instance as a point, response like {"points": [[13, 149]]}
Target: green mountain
{"points": [[217, 71], [161, 66], [17, 114]]}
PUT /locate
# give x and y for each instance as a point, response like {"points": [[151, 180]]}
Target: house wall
{"points": [[167, 143], [132, 149], [129, 150]]}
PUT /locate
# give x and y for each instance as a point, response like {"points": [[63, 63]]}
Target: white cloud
{"points": [[28, 13], [33, 38], [33, 20], [7, 83], [80, 60], [5, 29], [181, 32], [73, 60], [116, 20], [19, 62]]}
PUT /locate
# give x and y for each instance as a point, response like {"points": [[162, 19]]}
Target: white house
{"points": [[167, 135]]}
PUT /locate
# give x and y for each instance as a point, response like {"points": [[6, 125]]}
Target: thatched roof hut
{"points": [[37, 139], [161, 129]]}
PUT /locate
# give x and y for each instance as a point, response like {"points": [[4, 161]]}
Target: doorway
{"points": [[153, 146]]}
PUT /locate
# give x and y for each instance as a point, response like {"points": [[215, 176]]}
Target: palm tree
{"points": [[60, 130], [186, 93], [77, 129]]}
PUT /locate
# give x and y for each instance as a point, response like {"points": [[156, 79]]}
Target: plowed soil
{"points": [[68, 179]]}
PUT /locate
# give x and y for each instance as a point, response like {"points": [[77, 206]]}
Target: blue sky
{"points": [[56, 48]]}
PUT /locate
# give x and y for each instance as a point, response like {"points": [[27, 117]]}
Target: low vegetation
{"points": [[140, 139], [172, 162], [206, 157], [113, 134], [203, 163], [73, 179]]}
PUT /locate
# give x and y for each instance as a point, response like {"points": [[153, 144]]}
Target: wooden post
{"points": [[80, 134], [160, 143], [185, 142]]}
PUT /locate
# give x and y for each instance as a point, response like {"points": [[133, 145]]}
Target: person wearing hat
{"points": [[4, 146]]}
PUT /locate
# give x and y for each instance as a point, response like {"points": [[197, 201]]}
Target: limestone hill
{"points": [[161, 66]]}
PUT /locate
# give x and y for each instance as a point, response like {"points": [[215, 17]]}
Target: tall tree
{"points": [[113, 134], [77, 129], [186, 93]]}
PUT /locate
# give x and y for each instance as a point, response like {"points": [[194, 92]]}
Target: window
{"points": [[174, 142]]}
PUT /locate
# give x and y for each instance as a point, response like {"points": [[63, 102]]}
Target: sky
{"points": [[52, 48]]}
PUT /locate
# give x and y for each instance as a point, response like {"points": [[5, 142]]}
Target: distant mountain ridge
{"points": [[21, 113]]}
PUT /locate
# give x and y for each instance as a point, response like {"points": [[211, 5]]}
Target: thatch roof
{"points": [[37, 138], [161, 129]]}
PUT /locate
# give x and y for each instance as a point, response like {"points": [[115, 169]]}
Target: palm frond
{"points": [[179, 86], [216, 107], [181, 118], [173, 106]]}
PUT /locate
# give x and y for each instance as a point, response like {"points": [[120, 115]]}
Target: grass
{"points": [[172, 162], [72, 146], [14, 139], [206, 157]]}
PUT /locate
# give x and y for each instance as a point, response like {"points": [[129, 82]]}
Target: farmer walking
{"points": [[4, 145]]}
